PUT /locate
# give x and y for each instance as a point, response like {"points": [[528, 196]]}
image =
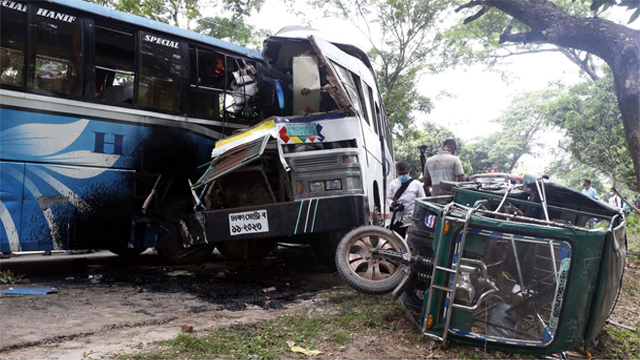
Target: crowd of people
{"points": [[403, 191]]}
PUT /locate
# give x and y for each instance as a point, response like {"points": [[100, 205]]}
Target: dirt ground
{"points": [[110, 307], [106, 305]]}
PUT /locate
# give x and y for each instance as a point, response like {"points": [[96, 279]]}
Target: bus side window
{"points": [[361, 97], [369, 100], [378, 119], [55, 51], [160, 71], [115, 65], [349, 85], [12, 43], [206, 83]]}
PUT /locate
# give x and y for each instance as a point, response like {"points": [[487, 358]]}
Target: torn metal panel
{"points": [[233, 159], [334, 87]]}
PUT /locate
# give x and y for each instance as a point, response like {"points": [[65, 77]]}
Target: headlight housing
{"points": [[349, 159], [333, 184], [315, 186]]}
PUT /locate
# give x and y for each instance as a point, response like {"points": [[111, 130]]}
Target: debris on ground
{"points": [[269, 289], [298, 349], [180, 273], [187, 329], [25, 290]]}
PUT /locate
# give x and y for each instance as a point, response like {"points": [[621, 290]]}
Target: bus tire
{"points": [[246, 250], [361, 271], [171, 250], [378, 220]]}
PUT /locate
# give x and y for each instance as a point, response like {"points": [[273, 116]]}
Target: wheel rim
{"points": [[364, 264]]}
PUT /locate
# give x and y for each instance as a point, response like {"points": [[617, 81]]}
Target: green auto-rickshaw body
{"points": [[526, 284]]}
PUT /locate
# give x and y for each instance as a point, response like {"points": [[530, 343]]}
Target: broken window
{"points": [[206, 83], [160, 71], [55, 51], [115, 65], [349, 85], [12, 45]]}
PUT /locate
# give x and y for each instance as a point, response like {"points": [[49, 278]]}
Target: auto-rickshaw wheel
{"points": [[362, 270]]}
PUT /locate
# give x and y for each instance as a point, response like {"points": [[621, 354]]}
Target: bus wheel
{"points": [[378, 220], [325, 247], [127, 252], [172, 250], [246, 250], [364, 272]]}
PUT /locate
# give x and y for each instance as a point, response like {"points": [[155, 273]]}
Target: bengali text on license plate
{"points": [[248, 222]]}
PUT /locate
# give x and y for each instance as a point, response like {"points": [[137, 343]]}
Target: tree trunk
{"points": [[617, 45]]}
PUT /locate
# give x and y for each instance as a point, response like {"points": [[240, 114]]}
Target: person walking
{"points": [[401, 196], [592, 193], [443, 166]]}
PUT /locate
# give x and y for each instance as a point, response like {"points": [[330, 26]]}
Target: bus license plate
{"points": [[248, 222]]}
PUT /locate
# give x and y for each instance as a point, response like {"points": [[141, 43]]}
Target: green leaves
{"points": [[231, 30], [588, 114], [174, 11]]}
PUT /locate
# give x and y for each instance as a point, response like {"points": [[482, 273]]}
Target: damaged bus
{"points": [[314, 169], [104, 116]]}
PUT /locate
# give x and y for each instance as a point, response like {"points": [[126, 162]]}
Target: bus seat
{"points": [[113, 94], [127, 93]]}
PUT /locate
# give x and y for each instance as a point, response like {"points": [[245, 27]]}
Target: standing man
{"points": [[401, 196], [443, 166], [592, 193], [614, 200]]}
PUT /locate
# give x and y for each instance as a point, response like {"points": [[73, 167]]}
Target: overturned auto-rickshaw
{"points": [[501, 266]]}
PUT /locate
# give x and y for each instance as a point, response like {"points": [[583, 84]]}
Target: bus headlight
{"points": [[354, 183], [333, 184], [349, 159], [315, 186]]}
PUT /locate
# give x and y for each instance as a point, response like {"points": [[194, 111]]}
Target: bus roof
{"points": [[157, 26]]}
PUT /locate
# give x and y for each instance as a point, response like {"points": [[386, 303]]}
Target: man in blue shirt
{"points": [[592, 193]]}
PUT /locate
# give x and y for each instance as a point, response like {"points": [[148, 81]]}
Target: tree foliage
{"points": [[615, 44], [229, 25], [406, 41], [589, 115], [522, 124], [231, 30], [478, 41], [571, 174], [431, 135]]}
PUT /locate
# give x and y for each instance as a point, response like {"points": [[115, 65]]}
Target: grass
{"points": [[354, 320], [633, 237], [329, 329]]}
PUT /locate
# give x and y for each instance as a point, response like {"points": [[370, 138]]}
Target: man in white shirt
{"points": [[614, 200], [401, 195], [443, 166]]}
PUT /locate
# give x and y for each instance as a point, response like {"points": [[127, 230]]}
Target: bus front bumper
{"points": [[308, 216]]}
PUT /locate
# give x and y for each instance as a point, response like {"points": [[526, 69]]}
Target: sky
{"points": [[479, 95]]}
